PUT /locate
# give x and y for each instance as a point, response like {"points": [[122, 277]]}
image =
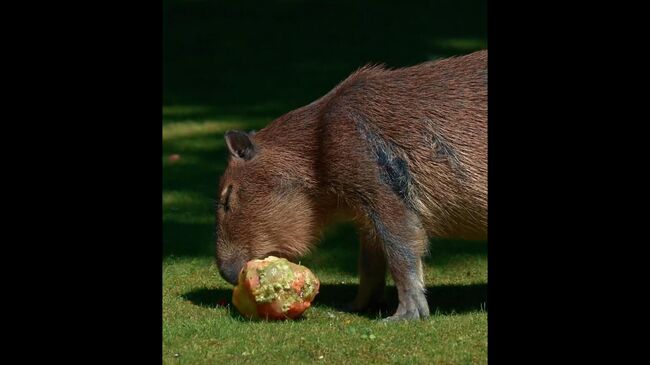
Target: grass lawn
{"points": [[234, 64]]}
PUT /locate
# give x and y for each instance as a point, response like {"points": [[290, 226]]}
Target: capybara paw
{"points": [[409, 313], [406, 316]]}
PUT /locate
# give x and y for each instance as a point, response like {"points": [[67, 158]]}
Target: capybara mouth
{"points": [[230, 273]]}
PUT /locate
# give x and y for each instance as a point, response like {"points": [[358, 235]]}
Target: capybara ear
{"points": [[240, 145]]}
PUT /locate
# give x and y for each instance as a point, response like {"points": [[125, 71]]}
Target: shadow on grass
{"points": [[445, 299]]}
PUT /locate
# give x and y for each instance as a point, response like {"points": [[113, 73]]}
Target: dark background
{"points": [[268, 57]]}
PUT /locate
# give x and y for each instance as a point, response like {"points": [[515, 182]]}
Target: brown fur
{"points": [[403, 152]]}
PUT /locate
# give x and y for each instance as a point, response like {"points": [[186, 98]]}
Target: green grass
{"points": [[196, 330], [235, 64]]}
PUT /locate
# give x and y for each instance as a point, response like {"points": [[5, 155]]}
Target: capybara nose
{"points": [[230, 272]]}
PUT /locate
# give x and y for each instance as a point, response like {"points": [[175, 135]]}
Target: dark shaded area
{"points": [[264, 58], [444, 299], [187, 239]]}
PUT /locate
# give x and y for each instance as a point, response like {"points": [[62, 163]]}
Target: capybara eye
{"points": [[225, 197]]}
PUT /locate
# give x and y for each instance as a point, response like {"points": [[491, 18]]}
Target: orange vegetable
{"points": [[274, 289]]}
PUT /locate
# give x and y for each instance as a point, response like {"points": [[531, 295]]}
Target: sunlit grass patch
{"points": [[172, 131], [183, 110], [455, 47], [462, 44]]}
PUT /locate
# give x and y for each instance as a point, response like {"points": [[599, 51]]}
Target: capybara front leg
{"points": [[404, 242]]}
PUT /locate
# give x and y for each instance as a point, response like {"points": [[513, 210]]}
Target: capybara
{"points": [[402, 152]]}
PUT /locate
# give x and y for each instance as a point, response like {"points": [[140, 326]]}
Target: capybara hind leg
{"points": [[372, 275]]}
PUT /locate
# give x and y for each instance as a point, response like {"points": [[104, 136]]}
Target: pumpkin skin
{"points": [[274, 289]]}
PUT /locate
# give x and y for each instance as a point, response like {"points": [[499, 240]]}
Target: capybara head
{"points": [[264, 206]]}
